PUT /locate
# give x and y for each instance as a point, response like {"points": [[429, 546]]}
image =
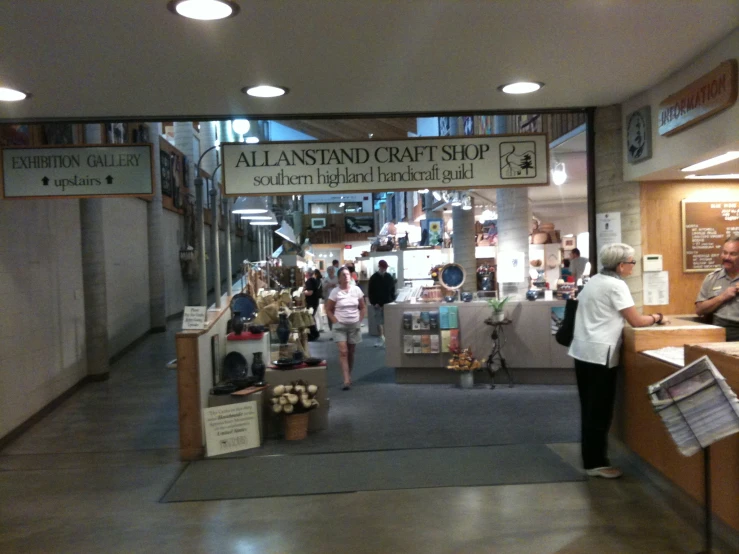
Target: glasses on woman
{"points": [[632, 262]]}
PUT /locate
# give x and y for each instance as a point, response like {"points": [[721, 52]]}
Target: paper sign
{"points": [[656, 288], [194, 317], [231, 428], [608, 230], [511, 267]]}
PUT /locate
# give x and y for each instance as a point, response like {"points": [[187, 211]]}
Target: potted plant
{"points": [[295, 401], [464, 363], [498, 305]]}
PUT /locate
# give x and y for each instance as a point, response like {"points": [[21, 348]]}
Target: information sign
{"points": [[77, 171], [706, 226], [231, 428], [194, 317]]}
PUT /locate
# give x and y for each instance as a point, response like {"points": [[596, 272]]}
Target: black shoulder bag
{"points": [[567, 329]]}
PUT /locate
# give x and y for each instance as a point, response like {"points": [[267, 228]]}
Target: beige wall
{"points": [[710, 137], [42, 330]]}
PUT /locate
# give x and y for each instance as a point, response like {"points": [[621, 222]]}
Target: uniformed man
{"points": [[718, 294]]}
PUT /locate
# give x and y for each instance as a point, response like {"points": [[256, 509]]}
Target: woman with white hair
{"points": [[604, 304]]}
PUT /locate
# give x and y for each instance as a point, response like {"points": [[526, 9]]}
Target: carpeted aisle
{"points": [[225, 478]]}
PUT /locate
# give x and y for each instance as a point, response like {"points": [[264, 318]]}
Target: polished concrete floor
{"points": [[89, 478]]}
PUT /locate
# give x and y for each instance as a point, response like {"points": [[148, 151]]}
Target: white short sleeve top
{"points": [[599, 323]]}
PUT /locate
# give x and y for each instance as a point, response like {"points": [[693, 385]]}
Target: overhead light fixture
{"points": [[264, 91], [204, 10], [341, 204], [252, 140], [437, 195], [559, 175], [12, 95], [488, 215], [723, 158], [250, 205], [522, 87], [726, 176], [255, 217], [423, 191], [456, 200], [466, 202], [269, 219], [286, 232], [240, 126]]}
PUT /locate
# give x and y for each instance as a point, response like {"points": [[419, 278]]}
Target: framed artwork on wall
{"points": [[359, 224], [165, 161], [317, 222]]}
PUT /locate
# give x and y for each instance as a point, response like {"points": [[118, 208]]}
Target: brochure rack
{"points": [[698, 408]]}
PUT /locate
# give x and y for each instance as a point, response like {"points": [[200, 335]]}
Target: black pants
{"points": [[596, 385]]}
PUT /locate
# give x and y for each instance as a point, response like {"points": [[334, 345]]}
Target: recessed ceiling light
{"points": [[713, 161], [523, 87], [252, 140], [12, 95], [205, 10], [264, 91], [727, 176]]}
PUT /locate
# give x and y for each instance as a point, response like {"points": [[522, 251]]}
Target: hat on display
{"points": [[382, 263]]}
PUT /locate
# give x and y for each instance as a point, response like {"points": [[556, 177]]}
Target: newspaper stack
{"points": [[696, 405]]}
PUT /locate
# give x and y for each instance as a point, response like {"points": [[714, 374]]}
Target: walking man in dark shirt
{"points": [[381, 291]]}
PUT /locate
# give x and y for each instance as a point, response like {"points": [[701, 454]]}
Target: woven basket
{"points": [[296, 426]]}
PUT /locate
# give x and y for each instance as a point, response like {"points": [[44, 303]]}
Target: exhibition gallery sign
{"points": [[77, 172], [385, 165]]}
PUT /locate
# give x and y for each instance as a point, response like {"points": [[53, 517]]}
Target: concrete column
{"points": [[185, 142], [155, 223], [612, 194], [93, 277], [514, 222], [514, 228], [464, 245]]}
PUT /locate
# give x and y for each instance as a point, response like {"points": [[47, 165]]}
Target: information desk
{"points": [[640, 428], [531, 352]]}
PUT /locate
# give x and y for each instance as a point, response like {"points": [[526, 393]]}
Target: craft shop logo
{"points": [[517, 160]]}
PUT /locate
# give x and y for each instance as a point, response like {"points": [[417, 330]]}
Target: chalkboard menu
{"points": [[706, 225]]}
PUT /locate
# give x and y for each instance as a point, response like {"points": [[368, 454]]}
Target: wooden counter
{"points": [[640, 428]]}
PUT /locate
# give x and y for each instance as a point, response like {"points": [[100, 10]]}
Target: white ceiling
{"points": [[91, 59]]}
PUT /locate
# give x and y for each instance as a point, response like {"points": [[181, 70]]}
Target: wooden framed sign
{"points": [[77, 171], [385, 165], [706, 226]]}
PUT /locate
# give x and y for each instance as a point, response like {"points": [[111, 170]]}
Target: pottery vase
{"points": [[257, 367]]}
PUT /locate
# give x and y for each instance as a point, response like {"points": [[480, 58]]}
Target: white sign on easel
{"points": [[608, 230], [194, 317], [511, 267], [231, 428]]}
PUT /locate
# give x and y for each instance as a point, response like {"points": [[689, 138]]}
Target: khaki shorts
{"points": [[347, 332]]}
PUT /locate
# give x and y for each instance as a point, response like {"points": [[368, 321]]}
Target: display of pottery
{"points": [[283, 329], [257, 367]]}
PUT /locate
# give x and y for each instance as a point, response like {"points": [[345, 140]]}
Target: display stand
{"points": [[696, 383], [496, 357]]}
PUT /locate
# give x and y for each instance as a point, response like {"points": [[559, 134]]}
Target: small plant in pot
{"points": [[498, 306]]}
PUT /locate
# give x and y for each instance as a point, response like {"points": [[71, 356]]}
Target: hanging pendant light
{"points": [[286, 232], [269, 219], [559, 175], [250, 205]]}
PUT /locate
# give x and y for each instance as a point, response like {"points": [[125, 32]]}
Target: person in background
{"points": [[353, 272], [577, 264], [330, 282], [566, 271], [335, 263], [313, 289], [381, 291], [718, 294], [604, 304], [346, 309]]}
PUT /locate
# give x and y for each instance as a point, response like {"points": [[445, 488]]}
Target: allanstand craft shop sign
{"points": [[373, 166], [77, 172]]}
